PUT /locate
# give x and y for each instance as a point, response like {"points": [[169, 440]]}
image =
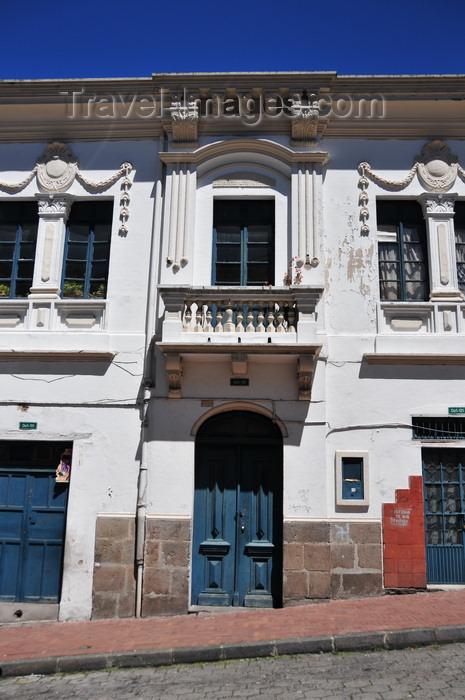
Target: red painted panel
{"points": [[404, 538]]}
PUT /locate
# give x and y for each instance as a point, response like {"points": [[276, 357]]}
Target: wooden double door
{"points": [[237, 539]]}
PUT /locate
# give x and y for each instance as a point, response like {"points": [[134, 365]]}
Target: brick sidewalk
{"points": [[69, 639]]}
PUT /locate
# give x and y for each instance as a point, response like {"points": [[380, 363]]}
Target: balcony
{"points": [[239, 314], [236, 322]]}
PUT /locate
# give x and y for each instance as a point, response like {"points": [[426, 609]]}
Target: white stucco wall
{"points": [[354, 405], [91, 403]]}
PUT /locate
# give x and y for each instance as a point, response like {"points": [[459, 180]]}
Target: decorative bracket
{"points": [[305, 120], [305, 372], [239, 364], [174, 375], [184, 119]]}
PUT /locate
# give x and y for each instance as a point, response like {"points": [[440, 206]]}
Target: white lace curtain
{"points": [[403, 264]]}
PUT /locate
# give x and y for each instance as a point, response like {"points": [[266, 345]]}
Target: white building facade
{"points": [[232, 316]]}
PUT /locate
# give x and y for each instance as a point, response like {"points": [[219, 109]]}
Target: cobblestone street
{"points": [[426, 673]]}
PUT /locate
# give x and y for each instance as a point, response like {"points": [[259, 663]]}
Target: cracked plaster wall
{"points": [[350, 260]]}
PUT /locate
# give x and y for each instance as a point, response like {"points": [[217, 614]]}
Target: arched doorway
{"points": [[237, 534]]}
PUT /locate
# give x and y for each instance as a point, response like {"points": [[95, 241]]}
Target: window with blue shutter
{"points": [[243, 242], [87, 250], [18, 237]]}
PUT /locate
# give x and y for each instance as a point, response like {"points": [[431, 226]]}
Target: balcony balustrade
{"points": [[239, 317], [221, 312]]}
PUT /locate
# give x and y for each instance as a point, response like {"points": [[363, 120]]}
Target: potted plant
{"points": [[100, 291], [4, 290], [73, 289], [293, 274]]}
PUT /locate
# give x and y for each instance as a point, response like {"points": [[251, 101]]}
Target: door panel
{"points": [[214, 513], [32, 522], [255, 549], [444, 481], [237, 537], [12, 498]]}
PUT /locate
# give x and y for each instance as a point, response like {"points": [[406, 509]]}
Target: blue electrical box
{"points": [[352, 478]]}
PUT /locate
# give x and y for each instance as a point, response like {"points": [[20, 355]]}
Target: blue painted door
{"points": [[444, 484], [237, 542], [32, 522]]}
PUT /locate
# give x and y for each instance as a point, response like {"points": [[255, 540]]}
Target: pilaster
{"points": [[305, 194], [179, 212], [53, 215], [438, 210]]}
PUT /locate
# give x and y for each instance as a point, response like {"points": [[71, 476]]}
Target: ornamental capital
{"points": [[438, 204], [54, 206]]}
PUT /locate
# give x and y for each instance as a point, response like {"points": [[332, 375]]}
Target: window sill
{"points": [[53, 314], [425, 317]]}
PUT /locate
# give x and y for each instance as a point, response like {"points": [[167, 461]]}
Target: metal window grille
{"points": [[440, 428]]}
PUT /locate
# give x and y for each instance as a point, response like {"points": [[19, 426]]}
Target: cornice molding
{"points": [[85, 131], [58, 356], [413, 359], [413, 106], [263, 146]]}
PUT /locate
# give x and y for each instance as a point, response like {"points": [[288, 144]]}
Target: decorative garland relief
{"points": [[56, 171], [437, 170]]}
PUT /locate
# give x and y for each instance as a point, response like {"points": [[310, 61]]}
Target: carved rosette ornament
{"points": [[437, 171], [57, 170]]}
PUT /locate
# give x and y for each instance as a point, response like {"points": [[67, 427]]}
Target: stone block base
{"points": [[114, 586], [325, 560], [166, 575]]}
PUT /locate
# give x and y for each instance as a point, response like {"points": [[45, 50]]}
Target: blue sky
{"points": [[135, 38]]}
